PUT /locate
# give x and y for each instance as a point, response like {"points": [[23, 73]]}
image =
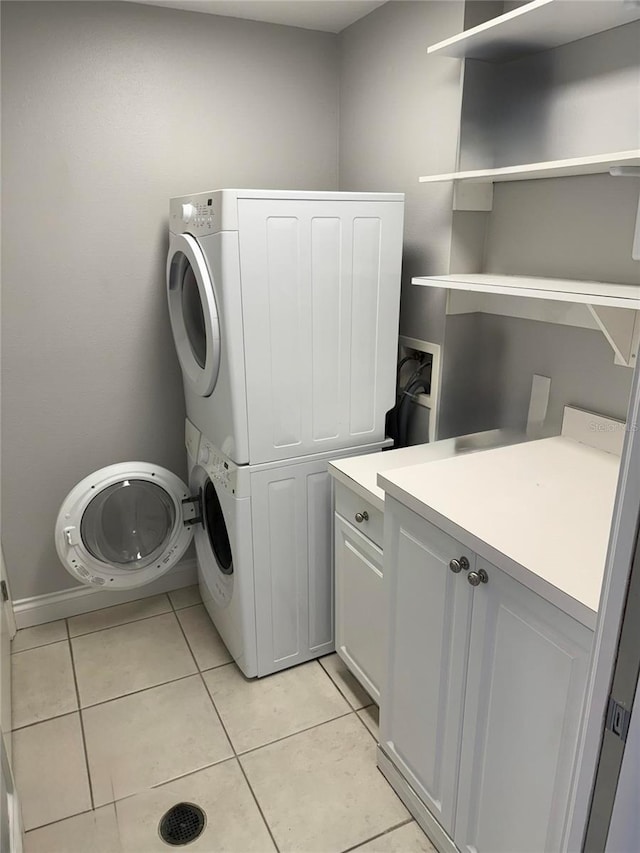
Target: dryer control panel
{"points": [[221, 471], [201, 214]]}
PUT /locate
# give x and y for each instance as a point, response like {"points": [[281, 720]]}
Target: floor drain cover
{"points": [[182, 824]]}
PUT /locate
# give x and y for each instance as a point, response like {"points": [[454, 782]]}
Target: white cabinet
{"points": [[361, 637], [527, 671], [484, 693], [429, 624]]}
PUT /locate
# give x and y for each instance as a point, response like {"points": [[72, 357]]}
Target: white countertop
{"points": [[360, 473], [540, 510]]}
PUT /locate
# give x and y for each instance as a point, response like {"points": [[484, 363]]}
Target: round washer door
{"points": [[193, 313], [124, 526]]}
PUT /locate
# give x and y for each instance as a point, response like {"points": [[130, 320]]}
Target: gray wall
{"points": [[581, 98], [399, 117], [109, 109]]}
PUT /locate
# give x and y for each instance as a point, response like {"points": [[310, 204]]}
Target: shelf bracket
{"points": [[621, 328], [630, 172]]}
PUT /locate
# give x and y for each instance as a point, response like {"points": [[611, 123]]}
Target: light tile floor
{"points": [[121, 713]]}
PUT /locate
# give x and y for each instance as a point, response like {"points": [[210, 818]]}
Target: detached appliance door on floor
{"points": [[125, 525]]}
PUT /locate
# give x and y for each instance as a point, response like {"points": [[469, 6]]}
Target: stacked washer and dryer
{"points": [[284, 310]]}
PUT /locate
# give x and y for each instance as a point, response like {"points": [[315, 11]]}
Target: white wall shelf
{"points": [[612, 308], [536, 26], [590, 165], [565, 290]]}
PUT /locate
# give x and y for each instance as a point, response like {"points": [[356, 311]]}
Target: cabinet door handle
{"points": [[362, 516], [476, 578], [457, 565]]}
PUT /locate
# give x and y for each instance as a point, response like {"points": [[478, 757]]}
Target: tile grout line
{"points": [[43, 646], [171, 609], [197, 671], [45, 720], [259, 807], [66, 619], [118, 624], [226, 734], [380, 835], [40, 722], [60, 820], [82, 732], [136, 692], [293, 734], [38, 645]]}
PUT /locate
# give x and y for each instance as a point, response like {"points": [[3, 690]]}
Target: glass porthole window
{"points": [[128, 524]]}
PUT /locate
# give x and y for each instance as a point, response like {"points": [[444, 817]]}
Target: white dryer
{"points": [[284, 310]]}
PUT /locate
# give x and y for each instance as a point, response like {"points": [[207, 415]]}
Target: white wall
{"points": [[580, 98], [109, 109]]}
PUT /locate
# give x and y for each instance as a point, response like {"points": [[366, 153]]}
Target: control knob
{"points": [[188, 212]]}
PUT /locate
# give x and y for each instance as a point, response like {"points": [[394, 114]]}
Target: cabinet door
{"points": [[360, 616], [429, 623], [525, 688]]}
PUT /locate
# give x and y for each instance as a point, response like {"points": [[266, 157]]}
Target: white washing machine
{"points": [[284, 310], [265, 555], [224, 547], [263, 536], [128, 524]]}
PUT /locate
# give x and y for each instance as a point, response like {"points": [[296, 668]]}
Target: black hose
{"points": [[401, 363], [404, 408]]}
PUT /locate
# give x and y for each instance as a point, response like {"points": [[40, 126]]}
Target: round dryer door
{"points": [[125, 525], [194, 314]]}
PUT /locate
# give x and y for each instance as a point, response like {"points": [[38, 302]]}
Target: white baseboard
{"points": [[83, 599]]}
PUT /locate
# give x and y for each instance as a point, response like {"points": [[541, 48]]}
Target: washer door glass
{"points": [[128, 524], [193, 312], [217, 529]]}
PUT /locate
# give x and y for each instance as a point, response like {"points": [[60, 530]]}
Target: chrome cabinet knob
{"points": [[476, 578], [362, 516], [457, 565]]}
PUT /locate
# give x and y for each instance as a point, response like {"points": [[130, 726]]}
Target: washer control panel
{"points": [[221, 471]]}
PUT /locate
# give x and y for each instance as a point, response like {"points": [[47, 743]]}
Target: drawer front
{"points": [[349, 505]]}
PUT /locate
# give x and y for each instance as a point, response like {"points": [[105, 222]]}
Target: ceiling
{"points": [[331, 16]]}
